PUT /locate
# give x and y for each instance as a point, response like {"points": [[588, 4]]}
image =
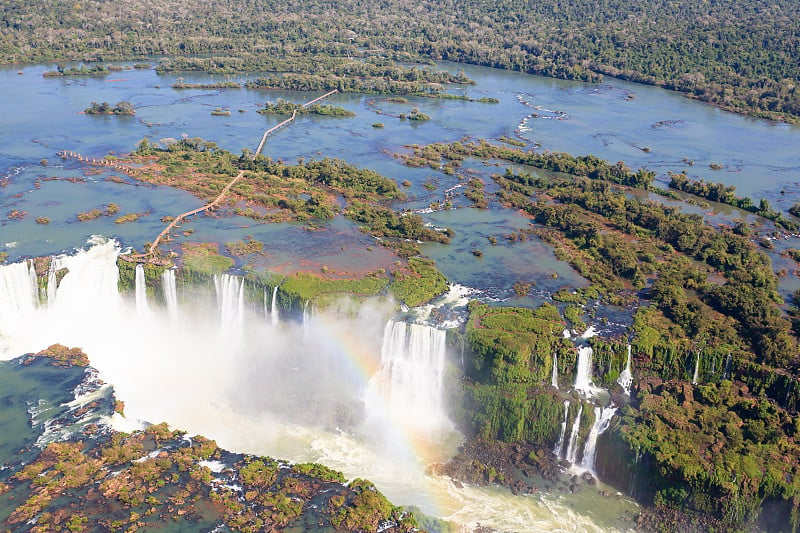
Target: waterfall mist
{"points": [[350, 389]]}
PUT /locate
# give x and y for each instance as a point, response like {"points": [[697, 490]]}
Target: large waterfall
{"points": [[274, 316], [583, 372], [18, 293], [572, 447], [409, 382], [230, 298], [140, 290], [554, 376], [602, 420], [170, 292]]}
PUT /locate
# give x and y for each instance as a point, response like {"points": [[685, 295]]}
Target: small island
{"points": [[120, 108], [283, 107]]}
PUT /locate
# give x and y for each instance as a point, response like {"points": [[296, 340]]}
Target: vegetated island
{"points": [[283, 107], [104, 108]]}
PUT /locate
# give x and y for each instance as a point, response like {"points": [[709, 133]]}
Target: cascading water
{"points": [[560, 444], [602, 420], [170, 292], [140, 290], [696, 375], [306, 322], [18, 293], [583, 372], [554, 377], [726, 374], [230, 297], [572, 448], [274, 309], [18, 288], [409, 382], [52, 280], [625, 378]]}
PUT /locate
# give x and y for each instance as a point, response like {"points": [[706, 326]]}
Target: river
{"points": [[644, 126]]}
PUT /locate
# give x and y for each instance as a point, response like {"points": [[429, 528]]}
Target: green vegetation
{"points": [[510, 360], [89, 215], [282, 107], [219, 112], [144, 479], [204, 258], [435, 154], [322, 291], [130, 217], [418, 283], [120, 108], [271, 190], [737, 55], [726, 194], [721, 448]]}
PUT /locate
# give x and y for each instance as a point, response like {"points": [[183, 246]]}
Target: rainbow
{"points": [[409, 445]]}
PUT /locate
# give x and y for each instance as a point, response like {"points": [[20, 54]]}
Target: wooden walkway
{"points": [[289, 120], [151, 255]]}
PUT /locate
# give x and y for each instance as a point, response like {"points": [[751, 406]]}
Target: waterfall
{"points": [[696, 375], [625, 378], [52, 280], [230, 297], [572, 449], [602, 420], [560, 443], [91, 280], [554, 378], [583, 372], [409, 382], [274, 313], [141, 290], [18, 292], [726, 374], [170, 292], [306, 321]]}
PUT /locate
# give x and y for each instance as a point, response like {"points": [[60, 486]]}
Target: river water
{"points": [[643, 126]]}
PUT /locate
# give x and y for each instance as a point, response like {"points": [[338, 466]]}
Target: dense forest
{"points": [[741, 55]]}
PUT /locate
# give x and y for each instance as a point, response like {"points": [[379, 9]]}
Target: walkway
{"points": [[289, 120], [151, 255]]}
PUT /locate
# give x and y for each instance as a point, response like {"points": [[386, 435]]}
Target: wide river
{"points": [[640, 125]]}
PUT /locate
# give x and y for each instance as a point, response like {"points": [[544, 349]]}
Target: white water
{"points": [[572, 448], [696, 375], [625, 378], [306, 322], [409, 383], [170, 293], [196, 380], [602, 420], [554, 377], [18, 289], [583, 372], [274, 310], [560, 444], [230, 298], [140, 291], [726, 374]]}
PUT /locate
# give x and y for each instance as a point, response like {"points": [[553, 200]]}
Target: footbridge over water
{"points": [[151, 256]]}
